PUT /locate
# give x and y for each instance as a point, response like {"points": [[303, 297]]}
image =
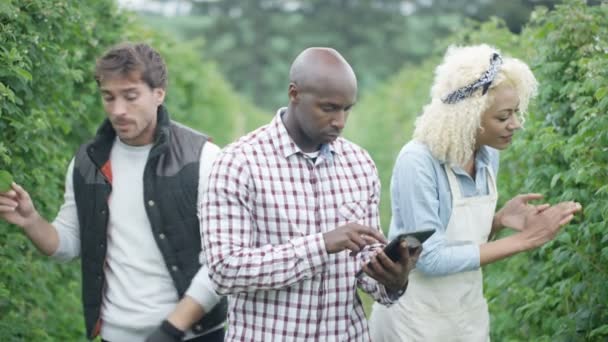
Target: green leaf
{"points": [[601, 93], [6, 179], [554, 180], [6, 8], [601, 331], [23, 73]]}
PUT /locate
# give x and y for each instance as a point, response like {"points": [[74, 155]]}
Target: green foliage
{"points": [[255, 41], [558, 293], [49, 104], [515, 14], [48, 100]]}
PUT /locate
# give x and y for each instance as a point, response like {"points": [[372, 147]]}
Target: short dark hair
{"points": [[126, 58]]}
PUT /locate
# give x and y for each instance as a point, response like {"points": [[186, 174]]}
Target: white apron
{"points": [[448, 308]]}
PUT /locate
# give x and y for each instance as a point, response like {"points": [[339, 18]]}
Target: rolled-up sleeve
{"points": [[415, 206], [201, 289], [66, 222]]}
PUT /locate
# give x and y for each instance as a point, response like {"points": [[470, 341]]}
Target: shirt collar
{"points": [[287, 147], [482, 160]]}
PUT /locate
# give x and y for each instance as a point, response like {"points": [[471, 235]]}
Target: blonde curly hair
{"points": [[450, 130]]}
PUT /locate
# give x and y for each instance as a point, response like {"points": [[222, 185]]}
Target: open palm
{"points": [[513, 214]]}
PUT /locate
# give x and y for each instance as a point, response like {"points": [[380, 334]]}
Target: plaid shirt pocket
{"points": [[353, 211]]}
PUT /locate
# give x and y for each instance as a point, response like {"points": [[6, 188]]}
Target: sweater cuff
{"points": [[67, 248], [202, 291]]}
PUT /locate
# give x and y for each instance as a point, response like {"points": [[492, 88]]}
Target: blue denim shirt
{"points": [[421, 199]]}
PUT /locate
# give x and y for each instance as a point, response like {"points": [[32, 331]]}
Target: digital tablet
{"points": [[414, 241]]}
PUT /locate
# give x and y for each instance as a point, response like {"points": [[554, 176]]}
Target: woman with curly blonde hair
{"points": [[444, 179]]}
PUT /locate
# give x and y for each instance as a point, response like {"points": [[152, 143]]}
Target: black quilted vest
{"points": [[171, 179]]}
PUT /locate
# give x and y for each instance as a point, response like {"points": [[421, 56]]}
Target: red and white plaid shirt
{"points": [[264, 214]]}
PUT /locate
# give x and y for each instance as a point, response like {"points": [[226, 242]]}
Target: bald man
{"points": [[291, 217]]}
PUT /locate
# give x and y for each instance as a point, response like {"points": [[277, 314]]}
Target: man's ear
{"points": [[293, 92], [159, 95]]}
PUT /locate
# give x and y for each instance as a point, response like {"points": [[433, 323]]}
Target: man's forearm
{"points": [[43, 235], [186, 312], [270, 267]]}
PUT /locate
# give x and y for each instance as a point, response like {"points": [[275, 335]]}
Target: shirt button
{"points": [[161, 236], [198, 327], [151, 203], [174, 268]]}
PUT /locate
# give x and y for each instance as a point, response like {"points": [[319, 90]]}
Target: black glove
{"points": [[166, 332]]}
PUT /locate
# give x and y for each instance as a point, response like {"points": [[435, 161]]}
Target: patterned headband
{"points": [[484, 81]]}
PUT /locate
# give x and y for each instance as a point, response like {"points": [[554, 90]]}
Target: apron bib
{"points": [[447, 308]]}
